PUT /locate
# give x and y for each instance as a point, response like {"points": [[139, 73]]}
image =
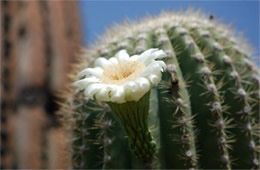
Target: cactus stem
{"points": [[134, 118]]}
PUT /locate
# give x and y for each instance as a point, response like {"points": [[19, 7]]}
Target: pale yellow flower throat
{"points": [[122, 72]]}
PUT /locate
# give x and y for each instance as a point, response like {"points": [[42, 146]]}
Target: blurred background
{"points": [[39, 42]]}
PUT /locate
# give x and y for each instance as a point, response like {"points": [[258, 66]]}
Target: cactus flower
{"points": [[122, 78], [124, 83]]}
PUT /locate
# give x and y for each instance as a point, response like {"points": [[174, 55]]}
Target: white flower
{"points": [[122, 78]]}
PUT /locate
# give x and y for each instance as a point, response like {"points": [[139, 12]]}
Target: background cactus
{"points": [[47, 34], [203, 114]]}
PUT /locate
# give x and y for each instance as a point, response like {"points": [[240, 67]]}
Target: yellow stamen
{"points": [[122, 72]]}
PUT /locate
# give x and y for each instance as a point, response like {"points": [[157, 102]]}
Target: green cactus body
{"points": [[203, 114]]}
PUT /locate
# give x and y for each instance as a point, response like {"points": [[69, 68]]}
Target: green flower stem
{"points": [[134, 118]]}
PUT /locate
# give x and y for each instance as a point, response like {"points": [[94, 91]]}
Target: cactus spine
{"points": [[203, 114]]}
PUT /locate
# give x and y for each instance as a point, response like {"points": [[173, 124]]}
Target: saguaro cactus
{"points": [[193, 105]]}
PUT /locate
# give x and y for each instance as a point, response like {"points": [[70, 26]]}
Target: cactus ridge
{"points": [[173, 92], [203, 114], [235, 93], [249, 73], [248, 76], [202, 80]]}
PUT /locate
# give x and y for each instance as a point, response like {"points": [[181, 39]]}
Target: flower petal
{"points": [[154, 79], [118, 94], [122, 55], [148, 52], [133, 91], [113, 60], [103, 94], [131, 85], [149, 55], [144, 55], [143, 83], [159, 54], [92, 89], [102, 62], [138, 94], [97, 72], [82, 84], [154, 68], [134, 58]]}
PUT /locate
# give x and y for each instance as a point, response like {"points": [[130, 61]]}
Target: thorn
{"points": [[107, 142], [171, 68], [233, 40], [163, 40], [179, 102], [217, 46], [220, 124], [86, 99], [185, 139], [256, 77], [182, 120], [169, 53], [85, 116], [182, 31], [174, 25], [142, 36], [216, 107], [252, 145], [104, 51], [85, 132], [160, 31], [189, 43], [242, 93], [82, 148], [199, 57], [246, 110], [204, 33], [139, 49], [188, 153], [225, 159], [107, 158], [239, 50], [107, 108], [248, 127], [114, 41], [107, 124], [256, 163], [122, 45], [82, 165], [227, 60], [212, 88], [249, 64], [221, 141], [194, 26], [234, 75], [206, 72]]}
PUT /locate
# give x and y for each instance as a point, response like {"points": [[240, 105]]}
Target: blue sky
{"points": [[96, 16]]}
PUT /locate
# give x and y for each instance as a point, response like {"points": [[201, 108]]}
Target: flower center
{"points": [[122, 72]]}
